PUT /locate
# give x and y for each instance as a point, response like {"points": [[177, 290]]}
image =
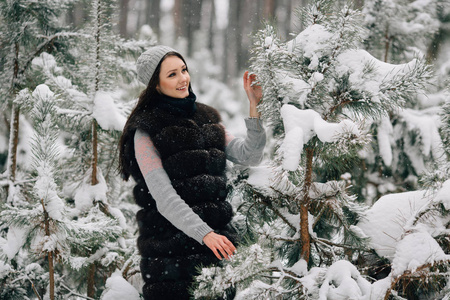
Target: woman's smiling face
{"points": [[174, 78]]}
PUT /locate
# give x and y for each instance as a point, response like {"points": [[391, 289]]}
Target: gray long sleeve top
{"points": [[248, 151]]}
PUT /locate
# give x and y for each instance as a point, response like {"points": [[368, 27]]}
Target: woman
{"points": [[175, 149]]}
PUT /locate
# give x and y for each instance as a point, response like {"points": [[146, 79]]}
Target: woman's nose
{"points": [[184, 77]]}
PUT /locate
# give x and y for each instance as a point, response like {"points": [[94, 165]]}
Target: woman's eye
{"points": [[185, 70], [172, 74]]}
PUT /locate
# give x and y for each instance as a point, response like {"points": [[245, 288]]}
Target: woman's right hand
{"points": [[219, 243]]}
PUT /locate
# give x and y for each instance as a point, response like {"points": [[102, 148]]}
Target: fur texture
{"points": [[192, 153]]}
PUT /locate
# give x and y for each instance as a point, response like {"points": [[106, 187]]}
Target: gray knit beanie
{"points": [[149, 60]]}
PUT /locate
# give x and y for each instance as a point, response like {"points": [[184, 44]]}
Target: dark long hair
{"points": [[146, 101]]}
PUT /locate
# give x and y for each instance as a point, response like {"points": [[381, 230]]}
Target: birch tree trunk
{"points": [[11, 164]]}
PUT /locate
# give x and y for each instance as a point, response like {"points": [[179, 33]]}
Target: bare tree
{"points": [[153, 15], [208, 22], [123, 18], [270, 8], [232, 42]]}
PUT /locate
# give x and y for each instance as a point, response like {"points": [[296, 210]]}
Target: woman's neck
{"points": [[179, 106]]}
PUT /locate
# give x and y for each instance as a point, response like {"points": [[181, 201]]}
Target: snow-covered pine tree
{"points": [[319, 89], [407, 142], [398, 29], [411, 230], [27, 29], [41, 232], [87, 106], [92, 117]]}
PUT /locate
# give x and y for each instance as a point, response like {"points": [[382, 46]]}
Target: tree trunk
{"points": [[435, 45], [94, 179], [387, 42], [11, 163], [269, 9], [285, 18], [304, 207], [177, 17], [51, 274], [13, 142], [153, 15], [211, 26], [192, 17], [233, 38], [91, 281], [123, 18], [76, 15], [51, 268]]}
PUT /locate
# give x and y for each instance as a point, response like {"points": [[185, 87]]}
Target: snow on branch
{"points": [[301, 125]]}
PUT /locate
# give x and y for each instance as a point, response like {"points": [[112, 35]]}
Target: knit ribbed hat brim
{"points": [[149, 60]]}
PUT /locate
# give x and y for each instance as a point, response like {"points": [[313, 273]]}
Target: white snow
{"points": [[414, 250], [296, 89], [384, 135], [117, 288], [443, 196], [380, 287], [260, 176], [47, 62], [300, 267], [26, 133], [86, 193], [5, 269], [311, 43], [15, 239], [117, 213], [428, 126], [355, 61], [301, 125], [385, 221], [343, 281], [46, 189], [108, 115]]}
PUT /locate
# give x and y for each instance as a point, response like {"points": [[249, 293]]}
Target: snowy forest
{"points": [[351, 201]]}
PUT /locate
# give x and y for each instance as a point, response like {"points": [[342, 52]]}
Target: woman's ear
{"points": [[157, 89]]}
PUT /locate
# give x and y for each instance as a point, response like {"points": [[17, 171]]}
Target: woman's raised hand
{"points": [[254, 93], [219, 244]]}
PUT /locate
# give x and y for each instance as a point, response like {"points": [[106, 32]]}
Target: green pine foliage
{"points": [[398, 29], [402, 150], [28, 28], [94, 235], [319, 90]]}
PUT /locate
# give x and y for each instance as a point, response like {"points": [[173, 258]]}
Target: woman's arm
{"points": [[169, 203], [248, 151]]}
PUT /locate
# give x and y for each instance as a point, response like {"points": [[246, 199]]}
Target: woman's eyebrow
{"points": [[182, 67]]}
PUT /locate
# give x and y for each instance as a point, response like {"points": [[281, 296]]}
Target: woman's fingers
{"points": [[246, 81], [220, 245], [254, 91], [216, 254]]}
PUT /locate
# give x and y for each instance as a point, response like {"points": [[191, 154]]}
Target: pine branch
{"points": [[71, 292], [34, 289], [45, 46], [411, 274], [328, 242], [261, 199]]}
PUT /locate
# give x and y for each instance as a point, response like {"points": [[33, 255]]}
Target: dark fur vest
{"points": [[192, 154]]}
